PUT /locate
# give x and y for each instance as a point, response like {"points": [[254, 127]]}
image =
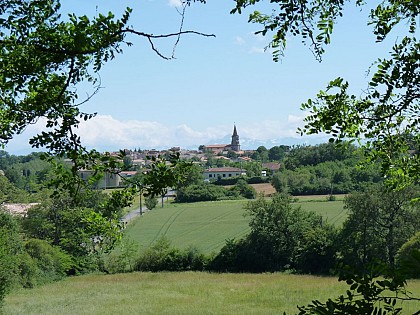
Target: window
{"points": [[230, 175], [210, 175], [224, 175]]}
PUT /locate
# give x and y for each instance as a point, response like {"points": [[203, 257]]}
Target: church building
{"points": [[234, 144]]}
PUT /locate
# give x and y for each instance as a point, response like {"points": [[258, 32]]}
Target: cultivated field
{"points": [[207, 225], [179, 293]]}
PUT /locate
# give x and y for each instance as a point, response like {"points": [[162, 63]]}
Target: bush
{"points": [[163, 257], [408, 257], [122, 259], [151, 202], [331, 198], [227, 181], [202, 192], [238, 256], [258, 180], [244, 190], [52, 262], [10, 251], [316, 254]]}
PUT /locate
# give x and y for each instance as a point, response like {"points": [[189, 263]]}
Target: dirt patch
{"points": [[266, 188]]}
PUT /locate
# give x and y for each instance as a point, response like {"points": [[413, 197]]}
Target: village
{"points": [[217, 161]]}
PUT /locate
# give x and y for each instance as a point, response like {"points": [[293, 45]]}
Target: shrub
{"points": [[226, 181], [10, 251], [202, 192], [316, 254], [52, 262], [242, 189], [151, 202], [331, 198], [408, 257], [258, 180], [122, 259], [163, 257]]}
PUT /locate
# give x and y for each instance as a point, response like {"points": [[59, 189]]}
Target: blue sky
{"points": [[195, 99]]}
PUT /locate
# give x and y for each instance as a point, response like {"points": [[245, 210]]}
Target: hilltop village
{"points": [[217, 161]]}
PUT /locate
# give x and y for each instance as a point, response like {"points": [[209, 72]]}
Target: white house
{"points": [[211, 174], [108, 180]]}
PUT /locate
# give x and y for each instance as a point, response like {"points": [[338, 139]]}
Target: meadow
{"points": [[179, 293], [207, 225]]}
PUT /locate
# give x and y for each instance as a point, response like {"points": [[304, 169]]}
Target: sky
{"points": [[214, 82]]}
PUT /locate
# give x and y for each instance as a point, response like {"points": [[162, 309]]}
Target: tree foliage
{"points": [[282, 237], [372, 291], [379, 223], [10, 249], [44, 56], [386, 115], [408, 256]]}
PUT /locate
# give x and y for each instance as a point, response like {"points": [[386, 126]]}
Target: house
{"points": [[108, 180], [272, 166], [211, 174], [215, 148]]}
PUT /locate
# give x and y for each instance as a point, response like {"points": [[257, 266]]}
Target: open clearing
{"points": [[207, 225], [179, 293]]}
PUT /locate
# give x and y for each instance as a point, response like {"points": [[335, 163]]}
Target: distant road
{"points": [[132, 214]]}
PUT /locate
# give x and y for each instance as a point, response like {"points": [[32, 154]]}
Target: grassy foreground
{"points": [[179, 293]]}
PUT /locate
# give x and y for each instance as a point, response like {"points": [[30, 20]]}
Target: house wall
{"points": [[212, 176], [107, 181]]}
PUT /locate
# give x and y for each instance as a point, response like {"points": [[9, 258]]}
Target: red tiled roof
{"points": [[222, 169], [216, 145], [272, 166]]}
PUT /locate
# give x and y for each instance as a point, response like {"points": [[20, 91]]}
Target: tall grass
{"points": [[179, 293]]}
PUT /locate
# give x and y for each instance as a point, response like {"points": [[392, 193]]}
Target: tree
{"points": [[10, 248], [387, 113], [277, 230], [379, 223], [44, 56], [282, 237], [262, 154], [277, 153], [84, 227]]}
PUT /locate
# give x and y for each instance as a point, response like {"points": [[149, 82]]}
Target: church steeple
{"points": [[234, 145]]}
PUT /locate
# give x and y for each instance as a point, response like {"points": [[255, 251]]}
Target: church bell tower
{"points": [[234, 145]]}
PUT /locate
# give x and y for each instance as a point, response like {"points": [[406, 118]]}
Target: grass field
{"points": [[179, 293], [207, 225]]}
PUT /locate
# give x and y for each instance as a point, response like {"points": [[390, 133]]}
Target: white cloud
{"points": [[239, 40], [175, 3], [106, 133], [256, 50]]}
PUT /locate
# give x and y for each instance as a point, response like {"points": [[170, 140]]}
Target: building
{"points": [[233, 146], [212, 174], [108, 180], [272, 166]]}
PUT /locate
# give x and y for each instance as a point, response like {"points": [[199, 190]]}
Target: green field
{"points": [[180, 293], [206, 225]]}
